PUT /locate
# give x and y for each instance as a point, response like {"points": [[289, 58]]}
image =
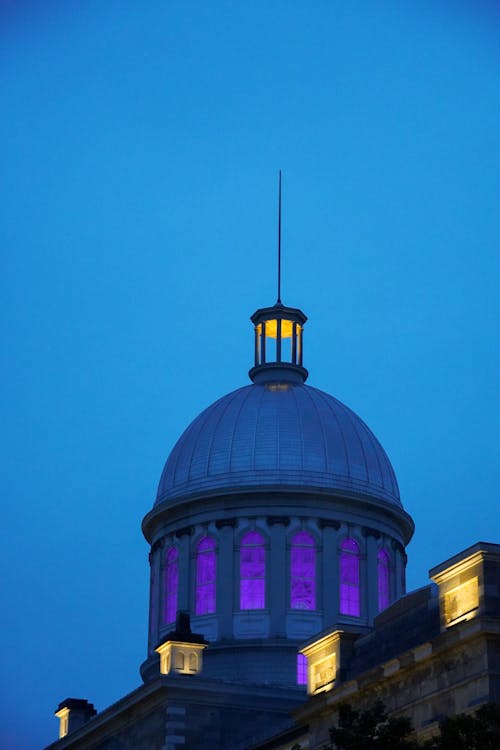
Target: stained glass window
{"points": [[383, 580], [303, 572], [252, 571], [301, 669], [349, 578], [205, 576]]}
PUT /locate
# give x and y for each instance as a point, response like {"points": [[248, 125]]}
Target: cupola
{"points": [[278, 344]]}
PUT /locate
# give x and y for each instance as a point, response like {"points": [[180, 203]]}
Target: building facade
{"points": [[279, 528]]}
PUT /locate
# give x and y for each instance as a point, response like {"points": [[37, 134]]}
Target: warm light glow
{"points": [[180, 657], [323, 674], [286, 329], [323, 660], [461, 602], [63, 715], [461, 584]]}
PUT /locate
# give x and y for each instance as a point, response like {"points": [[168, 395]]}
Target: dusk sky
{"points": [[140, 145]]}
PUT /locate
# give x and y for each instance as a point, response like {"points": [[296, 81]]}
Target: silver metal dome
{"points": [[277, 435]]}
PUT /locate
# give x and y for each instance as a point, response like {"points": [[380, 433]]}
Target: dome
{"points": [[255, 504], [280, 436]]}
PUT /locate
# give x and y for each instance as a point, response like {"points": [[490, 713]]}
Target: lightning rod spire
{"points": [[279, 240]]}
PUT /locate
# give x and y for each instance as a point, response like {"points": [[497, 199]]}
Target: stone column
{"points": [[399, 556], [225, 573], [370, 597], [278, 593], [155, 593], [183, 598], [328, 597]]}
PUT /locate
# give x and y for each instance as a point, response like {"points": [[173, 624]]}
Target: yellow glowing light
{"points": [[286, 329], [461, 601], [459, 586], [323, 661], [323, 674], [63, 715], [183, 658]]}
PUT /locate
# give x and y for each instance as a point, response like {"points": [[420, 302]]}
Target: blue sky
{"points": [[139, 147]]}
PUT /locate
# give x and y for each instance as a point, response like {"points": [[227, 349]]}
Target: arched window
{"points": [[252, 571], [383, 579], [349, 578], [205, 576], [301, 669], [171, 583], [303, 572]]}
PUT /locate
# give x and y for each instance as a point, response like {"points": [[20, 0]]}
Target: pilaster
{"points": [[225, 580], [371, 575], [278, 584], [329, 598], [155, 595], [183, 599]]}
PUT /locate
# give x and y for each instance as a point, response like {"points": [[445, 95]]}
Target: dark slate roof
{"points": [[411, 621], [278, 435]]}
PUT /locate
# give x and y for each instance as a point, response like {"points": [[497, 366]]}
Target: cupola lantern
{"points": [[278, 344]]}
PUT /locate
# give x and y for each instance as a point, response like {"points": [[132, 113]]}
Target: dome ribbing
{"points": [[278, 435]]}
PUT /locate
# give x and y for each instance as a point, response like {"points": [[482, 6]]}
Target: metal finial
{"points": [[279, 240]]}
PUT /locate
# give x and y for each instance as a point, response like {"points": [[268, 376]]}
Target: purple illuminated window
{"points": [[349, 578], [252, 571], [171, 578], [205, 576], [383, 579], [301, 669], [303, 572]]}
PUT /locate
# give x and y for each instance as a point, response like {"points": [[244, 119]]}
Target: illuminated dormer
{"points": [[278, 344], [72, 714], [325, 657], [181, 658], [468, 584], [182, 650]]}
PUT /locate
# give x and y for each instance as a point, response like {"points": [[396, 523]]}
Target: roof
{"points": [[277, 435]]}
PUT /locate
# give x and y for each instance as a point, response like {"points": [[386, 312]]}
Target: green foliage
{"points": [[372, 729], [465, 732]]}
